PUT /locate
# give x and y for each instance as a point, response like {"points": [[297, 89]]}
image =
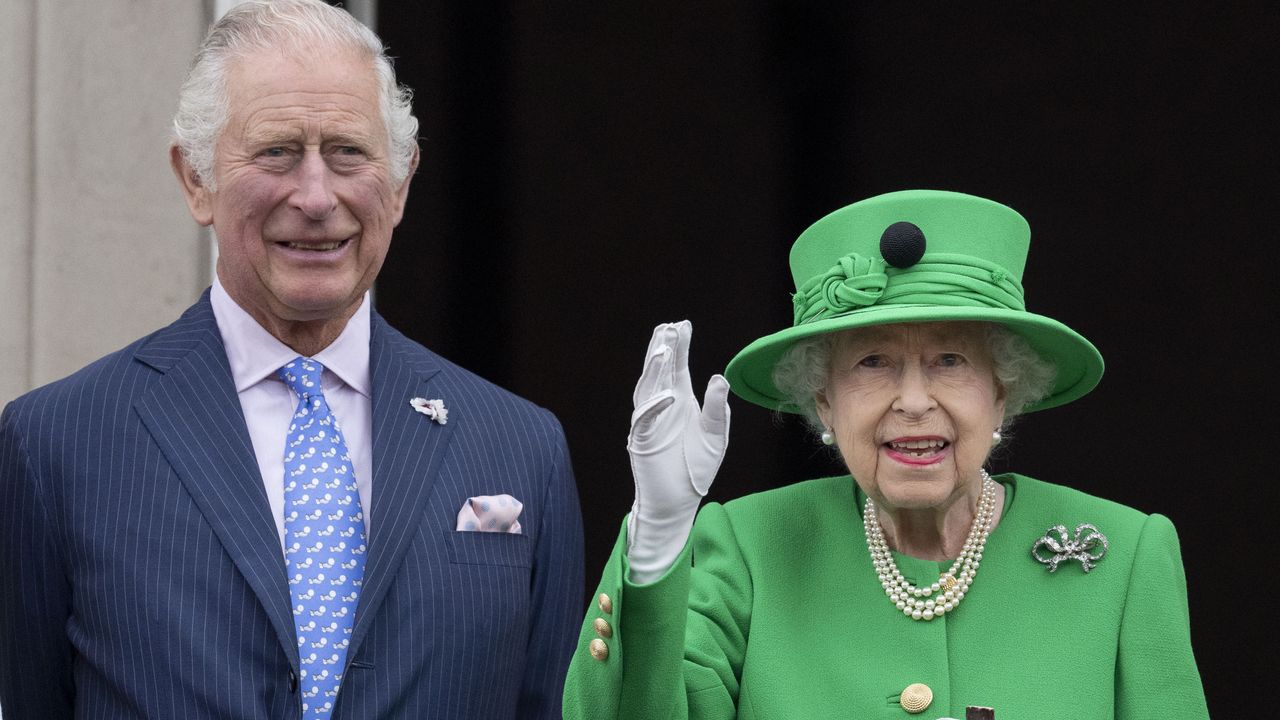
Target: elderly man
{"points": [[279, 505]]}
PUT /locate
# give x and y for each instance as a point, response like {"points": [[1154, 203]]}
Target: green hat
{"points": [[915, 256]]}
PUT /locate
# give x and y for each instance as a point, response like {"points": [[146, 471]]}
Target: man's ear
{"points": [[199, 199], [402, 192]]}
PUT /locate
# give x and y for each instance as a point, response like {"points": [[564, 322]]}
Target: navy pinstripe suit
{"points": [[141, 574]]}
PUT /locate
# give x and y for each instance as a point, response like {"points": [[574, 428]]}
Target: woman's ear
{"points": [[823, 407], [1001, 395]]}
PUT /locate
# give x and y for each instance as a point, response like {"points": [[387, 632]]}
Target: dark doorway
{"points": [[590, 169]]}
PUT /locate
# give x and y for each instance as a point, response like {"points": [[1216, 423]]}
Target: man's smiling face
{"points": [[304, 204]]}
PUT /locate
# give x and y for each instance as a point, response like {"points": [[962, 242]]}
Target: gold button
{"points": [[606, 605], [602, 628], [916, 697], [599, 650]]}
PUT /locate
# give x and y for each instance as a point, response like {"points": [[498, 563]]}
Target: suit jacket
{"points": [[780, 614], [141, 574]]}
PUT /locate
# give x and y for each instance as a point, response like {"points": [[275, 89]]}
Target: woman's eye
{"points": [[872, 361], [950, 359]]}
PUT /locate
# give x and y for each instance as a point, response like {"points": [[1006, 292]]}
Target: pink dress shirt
{"points": [[268, 404]]}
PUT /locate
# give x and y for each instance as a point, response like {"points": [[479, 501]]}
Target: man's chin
{"points": [[298, 306], [318, 310]]}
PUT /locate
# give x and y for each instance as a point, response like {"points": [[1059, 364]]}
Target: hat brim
{"points": [[1078, 363]]}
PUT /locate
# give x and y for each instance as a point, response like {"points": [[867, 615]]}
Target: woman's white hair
{"points": [[258, 25], [1020, 372]]}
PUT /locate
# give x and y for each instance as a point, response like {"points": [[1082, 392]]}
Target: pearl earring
{"points": [[828, 438], [996, 437]]}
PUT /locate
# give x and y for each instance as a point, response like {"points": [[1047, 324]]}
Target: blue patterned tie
{"points": [[323, 537]]}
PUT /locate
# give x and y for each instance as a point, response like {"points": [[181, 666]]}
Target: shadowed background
{"points": [[588, 172]]}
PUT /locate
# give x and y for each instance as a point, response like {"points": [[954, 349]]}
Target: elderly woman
{"points": [[916, 585]]}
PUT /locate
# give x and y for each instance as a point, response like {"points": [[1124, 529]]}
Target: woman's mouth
{"points": [[917, 451]]}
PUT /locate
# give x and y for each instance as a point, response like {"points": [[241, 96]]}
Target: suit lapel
{"points": [[407, 452], [194, 415]]}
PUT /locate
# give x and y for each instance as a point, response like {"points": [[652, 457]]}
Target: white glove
{"points": [[675, 447]]}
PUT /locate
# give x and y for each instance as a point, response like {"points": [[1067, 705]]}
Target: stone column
{"points": [[97, 245], [17, 43]]}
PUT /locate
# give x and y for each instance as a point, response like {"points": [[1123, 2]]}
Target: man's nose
{"points": [[915, 396], [314, 194]]}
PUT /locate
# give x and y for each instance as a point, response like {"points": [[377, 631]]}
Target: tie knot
{"points": [[303, 376]]}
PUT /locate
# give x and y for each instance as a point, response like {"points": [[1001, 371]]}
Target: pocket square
{"points": [[490, 513]]}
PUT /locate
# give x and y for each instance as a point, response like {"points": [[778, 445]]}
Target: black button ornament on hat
{"points": [[902, 244]]}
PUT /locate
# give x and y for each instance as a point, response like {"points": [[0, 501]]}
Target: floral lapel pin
{"points": [[433, 409], [1088, 546]]}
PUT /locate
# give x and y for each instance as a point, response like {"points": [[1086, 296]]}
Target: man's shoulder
{"points": [[102, 376], [52, 410], [481, 397], [121, 374]]}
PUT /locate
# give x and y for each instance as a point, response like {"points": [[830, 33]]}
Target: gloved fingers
{"points": [[680, 363], [703, 458], [657, 362], [644, 421], [715, 408]]}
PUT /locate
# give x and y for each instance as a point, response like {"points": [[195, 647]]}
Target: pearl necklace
{"points": [[930, 601]]}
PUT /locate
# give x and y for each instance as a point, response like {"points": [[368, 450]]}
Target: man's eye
{"points": [[347, 157], [274, 152]]}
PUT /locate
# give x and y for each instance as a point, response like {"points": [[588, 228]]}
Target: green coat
{"points": [[774, 611]]}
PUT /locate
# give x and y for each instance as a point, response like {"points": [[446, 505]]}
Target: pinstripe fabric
{"points": [[144, 576]]}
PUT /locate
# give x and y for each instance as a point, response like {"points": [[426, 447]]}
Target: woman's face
{"points": [[912, 408]]}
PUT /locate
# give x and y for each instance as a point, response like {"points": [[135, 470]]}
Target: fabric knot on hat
{"points": [[853, 282], [938, 279]]}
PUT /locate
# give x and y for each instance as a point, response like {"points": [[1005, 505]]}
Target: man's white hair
{"points": [[304, 25]]}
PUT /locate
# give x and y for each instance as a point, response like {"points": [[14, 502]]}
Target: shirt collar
{"points": [[255, 354]]}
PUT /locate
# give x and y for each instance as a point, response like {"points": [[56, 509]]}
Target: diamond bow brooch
{"points": [[1088, 546], [433, 409]]}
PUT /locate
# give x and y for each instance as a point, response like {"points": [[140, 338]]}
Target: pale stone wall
{"points": [[17, 43], [96, 243], [96, 246]]}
